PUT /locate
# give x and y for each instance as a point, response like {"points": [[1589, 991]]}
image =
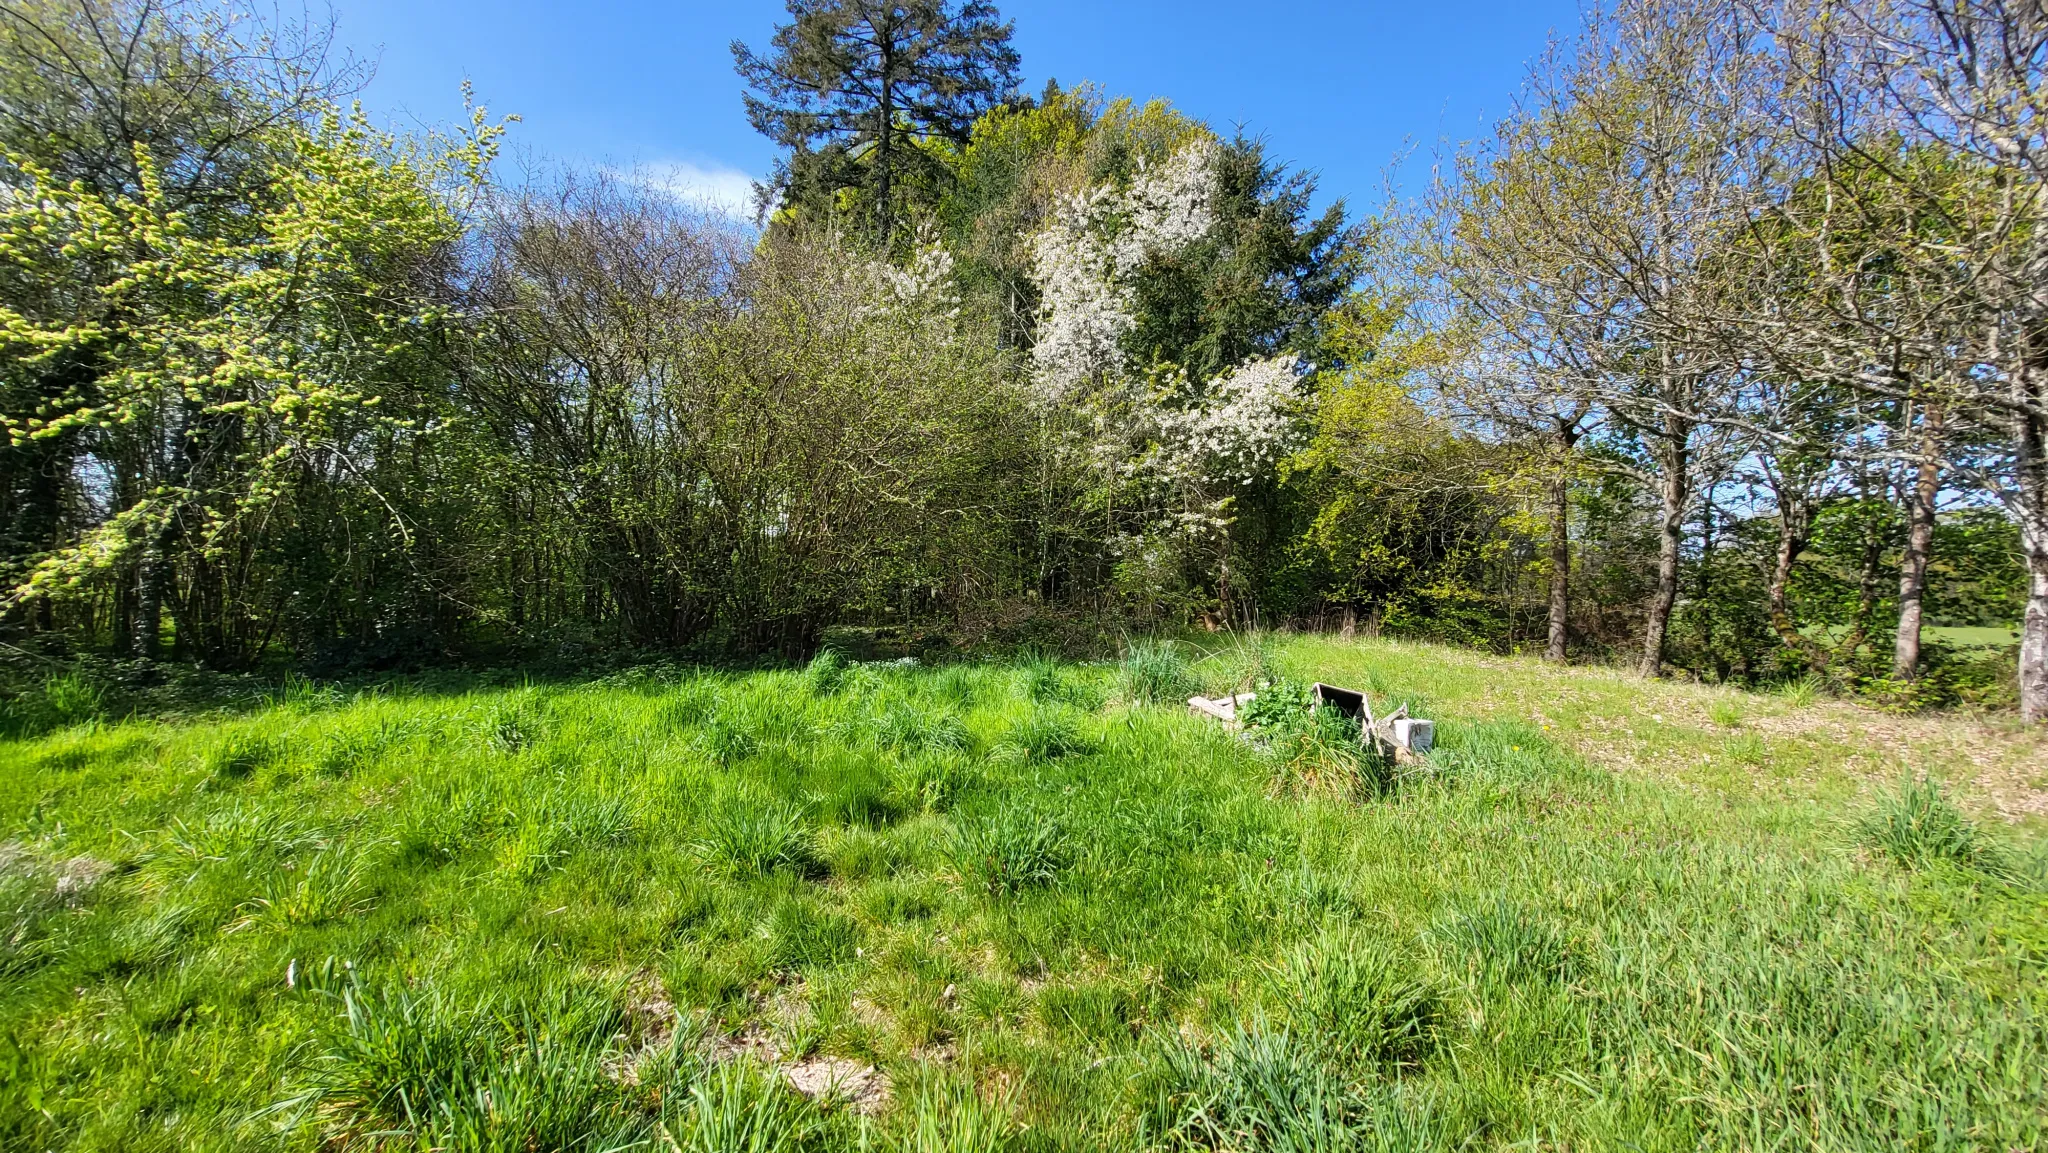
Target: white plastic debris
{"points": [[1414, 734]]}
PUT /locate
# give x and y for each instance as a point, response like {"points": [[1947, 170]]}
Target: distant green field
{"points": [[1958, 636], [1971, 637], [1006, 906]]}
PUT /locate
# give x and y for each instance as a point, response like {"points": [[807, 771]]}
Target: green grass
{"points": [[609, 915]]}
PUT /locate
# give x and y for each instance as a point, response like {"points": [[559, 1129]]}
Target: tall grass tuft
{"points": [[1918, 826], [1259, 1091], [1509, 941], [1045, 735], [510, 726], [1358, 1003], [328, 887], [242, 754], [433, 1074], [1314, 748], [949, 1117], [902, 724], [1154, 672], [1040, 676], [1801, 691], [802, 936], [1013, 852], [827, 672], [749, 839], [737, 1107]]}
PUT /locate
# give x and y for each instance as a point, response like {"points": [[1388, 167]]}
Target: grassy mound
{"points": [[991, 906]]}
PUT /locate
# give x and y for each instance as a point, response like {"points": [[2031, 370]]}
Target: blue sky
{"points": [[1338, 89]]}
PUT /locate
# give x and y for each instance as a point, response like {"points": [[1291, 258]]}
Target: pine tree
{"points": [[848, 85]]}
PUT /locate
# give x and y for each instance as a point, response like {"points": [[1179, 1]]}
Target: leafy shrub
{"points": [[1313, 746], [1918, 826], [1275, 705], [747, 839], [1154, 673], [1359, 1003], [1013, 852], [1509, 941]]}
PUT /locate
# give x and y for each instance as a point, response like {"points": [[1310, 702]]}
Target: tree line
{"points": [[1721, 355]]}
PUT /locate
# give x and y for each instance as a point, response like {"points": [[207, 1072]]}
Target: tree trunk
{"points": [[2031, 435], [152, 579], [1673, 493], [1560, 567], [2030, 460], [1919, 546], [885, 127], [2034, 634], [1795, 523]]}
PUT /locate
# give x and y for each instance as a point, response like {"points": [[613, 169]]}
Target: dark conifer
{"points": [[847, 84]]}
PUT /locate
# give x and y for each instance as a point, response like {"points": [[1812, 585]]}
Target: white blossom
{"points": [[1085, 313], [928, 280], [1168, 209], [1085, 256], [1241, 426]]}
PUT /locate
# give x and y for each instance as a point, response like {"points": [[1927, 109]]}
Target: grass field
{"points": [[1025, 905]]}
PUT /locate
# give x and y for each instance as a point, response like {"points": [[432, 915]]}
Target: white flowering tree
{"points": [[1167, 446]]}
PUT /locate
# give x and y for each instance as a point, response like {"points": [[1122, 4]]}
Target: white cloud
{"points": [[715, 186]]}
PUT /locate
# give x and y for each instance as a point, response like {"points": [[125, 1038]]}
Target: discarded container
{"points": [[1397, 733], [1414, 734], [1221, 708]]}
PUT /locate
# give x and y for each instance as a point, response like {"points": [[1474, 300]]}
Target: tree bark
{"points": [[1557, 650], [2030, 465], [2034, 636], [1673, 494], [1919, 547], [885, 127], [1795, 526], [2032, 444]]}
